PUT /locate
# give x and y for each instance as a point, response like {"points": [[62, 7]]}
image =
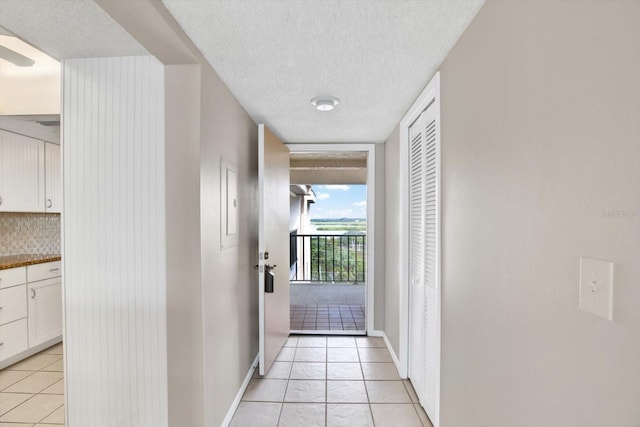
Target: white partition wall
{"points": [[114, 242]]}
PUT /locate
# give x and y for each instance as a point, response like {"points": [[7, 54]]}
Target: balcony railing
{"points": [[328, 258]]}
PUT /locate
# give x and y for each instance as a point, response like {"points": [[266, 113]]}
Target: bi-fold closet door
{"points": [[424, 286]]}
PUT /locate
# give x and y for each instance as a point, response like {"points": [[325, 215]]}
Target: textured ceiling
{"points": [[376, 56], [68, 28]]}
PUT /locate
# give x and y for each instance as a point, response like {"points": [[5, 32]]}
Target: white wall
{"points": [[229, 284], [380, 240], [184, 291], [294, 212], [393, 239], [114, 242], [541, 138], [540, 144]]}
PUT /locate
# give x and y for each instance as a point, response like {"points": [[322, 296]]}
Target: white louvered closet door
{"points": [[424, 334]]}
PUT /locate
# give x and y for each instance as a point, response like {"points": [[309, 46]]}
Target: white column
{"points": [[114, 242]]}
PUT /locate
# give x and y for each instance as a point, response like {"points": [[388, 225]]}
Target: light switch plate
{"points": [[596, 287]]}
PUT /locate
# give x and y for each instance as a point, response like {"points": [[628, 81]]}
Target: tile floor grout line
{"points": [[326, 381], [21, 379], [284, 396], [17, 406], [366, 390], [49, 414]]}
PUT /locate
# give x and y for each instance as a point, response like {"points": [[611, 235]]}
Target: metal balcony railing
{"points": [[328, 258]]}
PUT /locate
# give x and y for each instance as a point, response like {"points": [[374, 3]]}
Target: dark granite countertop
{"points": [[13, 261]]}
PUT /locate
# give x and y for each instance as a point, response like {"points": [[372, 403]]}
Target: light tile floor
{"points": [[331, 381], [327, 317], [32, 391]]}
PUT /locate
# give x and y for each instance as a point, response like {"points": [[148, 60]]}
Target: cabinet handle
{"points": [[1, 307], [54, 269], [33, 293], [0, 200], [49, 203], [1, 344]]}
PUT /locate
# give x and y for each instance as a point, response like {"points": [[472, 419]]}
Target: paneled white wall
{"points": [[114, 242]]}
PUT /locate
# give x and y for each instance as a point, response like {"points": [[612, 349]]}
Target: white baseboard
{"points": [[236, 402], [392, 352]]}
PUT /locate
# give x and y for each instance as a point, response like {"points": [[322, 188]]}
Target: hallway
{"points": [[331, 381]]}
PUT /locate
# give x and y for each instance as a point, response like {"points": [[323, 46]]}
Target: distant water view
{"points": [[339, 226]]}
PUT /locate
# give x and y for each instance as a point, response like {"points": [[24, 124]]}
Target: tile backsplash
{"points": [[29, 233]]}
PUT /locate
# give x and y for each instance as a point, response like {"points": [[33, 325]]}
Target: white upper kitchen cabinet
{"points": [[21, 173], [53, 181]]}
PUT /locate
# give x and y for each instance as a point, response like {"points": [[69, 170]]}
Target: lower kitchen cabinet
{"points": [[13, 313], [45, 310], [13, 304], [30, 310], [13, 339]]}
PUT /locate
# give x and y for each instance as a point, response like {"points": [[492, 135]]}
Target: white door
{"points": [[424, 290], [273, 244]]}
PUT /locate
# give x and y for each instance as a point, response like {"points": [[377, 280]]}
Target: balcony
{"points": [[329, 258], [327, 275]]}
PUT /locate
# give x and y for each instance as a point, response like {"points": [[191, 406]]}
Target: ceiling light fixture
{"points": [[325, 103], [15, 58]]}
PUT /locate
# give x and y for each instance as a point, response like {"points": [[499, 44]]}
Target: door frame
{"points": [[430, 93], [371, 185]]}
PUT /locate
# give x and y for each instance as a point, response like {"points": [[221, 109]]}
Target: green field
{"points": [[341, 226]]}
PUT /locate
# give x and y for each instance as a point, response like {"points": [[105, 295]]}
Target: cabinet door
{"points": [[45, 310], [13, 304], [53, 178], [21, 173], [13, 339]]}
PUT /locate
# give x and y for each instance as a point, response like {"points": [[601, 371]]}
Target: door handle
{"points": [[269, 267]]}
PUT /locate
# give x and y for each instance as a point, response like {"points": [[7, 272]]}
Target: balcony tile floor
{"points": [[327, 317], [331, 381], [32, 391]]}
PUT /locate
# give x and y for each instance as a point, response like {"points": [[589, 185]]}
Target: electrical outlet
{"points": [[596, 287]]}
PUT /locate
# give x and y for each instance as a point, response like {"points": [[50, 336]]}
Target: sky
{"points": [[339, 201]]}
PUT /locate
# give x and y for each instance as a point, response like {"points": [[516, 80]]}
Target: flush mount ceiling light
{"points": [[325, 103]]}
